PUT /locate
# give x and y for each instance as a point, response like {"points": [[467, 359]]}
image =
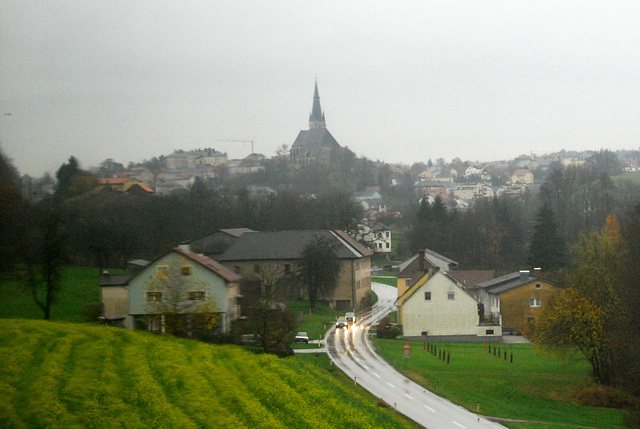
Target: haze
{"points": [[401, 83]]}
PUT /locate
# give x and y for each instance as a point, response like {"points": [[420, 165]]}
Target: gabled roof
{"points": [[427, 254], [411, 269], [289, 245], [510, 281], [210, 264], [425, 279]]}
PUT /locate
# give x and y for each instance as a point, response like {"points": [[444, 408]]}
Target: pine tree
{"points": [[547, 249]]}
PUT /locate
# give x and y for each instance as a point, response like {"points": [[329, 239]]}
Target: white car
{"points": [[351, 317], [341, 322], [302, 337]]}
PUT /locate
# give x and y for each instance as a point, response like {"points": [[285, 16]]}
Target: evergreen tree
{"points": [[547, 249]]}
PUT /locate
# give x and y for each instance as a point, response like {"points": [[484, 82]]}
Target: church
{"points": [[316, 144]]}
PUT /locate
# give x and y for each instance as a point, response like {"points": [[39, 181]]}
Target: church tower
{"points": [[316, 118]]}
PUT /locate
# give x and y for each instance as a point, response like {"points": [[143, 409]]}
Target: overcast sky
{"points": [[401, 82]]}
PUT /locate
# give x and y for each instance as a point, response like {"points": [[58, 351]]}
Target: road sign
{"points": [[406, 354], [406, 346]]}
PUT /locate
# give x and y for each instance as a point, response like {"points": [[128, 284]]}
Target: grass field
{"points": [[65, 375], [535, 387], [79, 293]]}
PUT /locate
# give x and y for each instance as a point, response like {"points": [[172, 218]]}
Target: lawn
{"points": [[536, 387], [80, 293]]}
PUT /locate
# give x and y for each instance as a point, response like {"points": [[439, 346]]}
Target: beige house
{"points": [[256, 254], [523, 177], [438, 306]]}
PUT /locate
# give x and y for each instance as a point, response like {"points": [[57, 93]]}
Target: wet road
{"points": [[352, 352]]}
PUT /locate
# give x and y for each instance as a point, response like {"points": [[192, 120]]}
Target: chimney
{"points": [[537, 272], [421, 261], [524, 274], [185, 247]]}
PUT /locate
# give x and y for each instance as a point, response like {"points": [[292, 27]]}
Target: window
{"points": [[388, 245], [427, 296], [154, 296], [287, 268], [162, 271], [534, 302], [538, 286], [407, 282], [451, 295], [357, 265], [197, 295], [388, 234], [185, 270], [489, 332], [236, 269], [256, 268]]}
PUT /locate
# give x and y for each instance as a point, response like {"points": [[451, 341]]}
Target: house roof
{"points": [[236, 232], [418, 284], [412, 268], [472, 277], [210, 264], [290, 245], [428, 253], [107, 279], [510, 281]]}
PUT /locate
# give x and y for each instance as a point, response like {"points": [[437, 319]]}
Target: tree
{"points": [[13, 211], [182, 307], [576, 320], [547, 248], [72, 180], [319, 269], [589, 314], [46, 255]]}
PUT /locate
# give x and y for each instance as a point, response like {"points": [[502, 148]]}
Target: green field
{"points": [[535, 387], [65, 375], [79, 296]]}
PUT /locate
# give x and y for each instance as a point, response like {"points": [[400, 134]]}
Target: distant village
{"points": [[458, 183]]}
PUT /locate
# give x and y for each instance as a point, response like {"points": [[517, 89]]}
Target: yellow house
{"points": [[523, 296]]}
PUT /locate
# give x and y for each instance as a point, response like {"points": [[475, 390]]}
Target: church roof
{"points": [[312, 141]]}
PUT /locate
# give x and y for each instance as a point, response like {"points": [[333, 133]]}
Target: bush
{"points": [[387, 330], [597, 395]]}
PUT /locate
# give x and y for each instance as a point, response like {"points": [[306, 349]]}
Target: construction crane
{"points": [[241, 141]]}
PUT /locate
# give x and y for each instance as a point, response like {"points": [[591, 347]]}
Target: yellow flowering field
{"points": [[65, 375]]}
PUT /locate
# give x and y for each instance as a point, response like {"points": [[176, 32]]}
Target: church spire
{"points": [[316, 118]]}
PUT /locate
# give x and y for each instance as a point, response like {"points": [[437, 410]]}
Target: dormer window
{"points": [[185, 270]]}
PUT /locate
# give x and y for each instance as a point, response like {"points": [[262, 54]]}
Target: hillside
{"points": [[74, 375]]}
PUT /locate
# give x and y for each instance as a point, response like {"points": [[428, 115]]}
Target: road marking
{"points": [[430, 409], [408, 396], [391, 385], [365, 366], [376, 374], [456, 423]]}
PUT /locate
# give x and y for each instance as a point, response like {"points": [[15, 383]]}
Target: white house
{"points": [[129, 301], [438, 305]]}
